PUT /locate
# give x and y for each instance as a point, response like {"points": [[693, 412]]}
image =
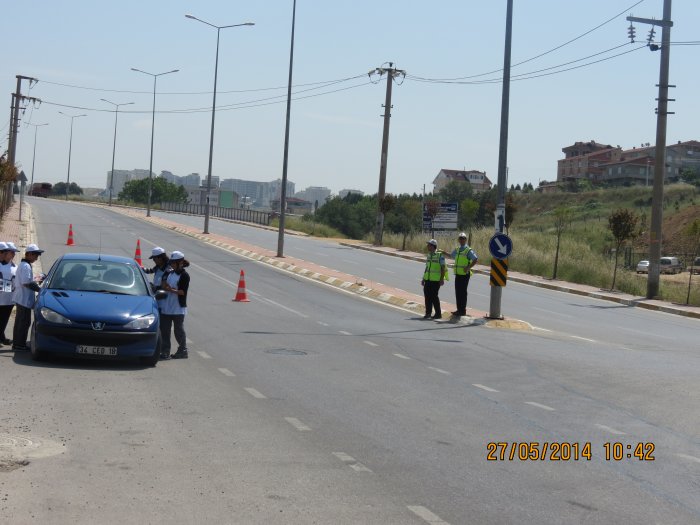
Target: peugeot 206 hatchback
{"points": [[96, 305]]}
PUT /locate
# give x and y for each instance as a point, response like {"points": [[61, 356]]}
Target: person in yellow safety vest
{"points": [[433, 278], [465, 258]]}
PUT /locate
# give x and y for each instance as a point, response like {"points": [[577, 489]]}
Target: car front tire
{"points": [[153, 359], [37, 355]]}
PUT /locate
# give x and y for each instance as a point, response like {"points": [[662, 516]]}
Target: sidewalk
{"points": [[11, 229]]}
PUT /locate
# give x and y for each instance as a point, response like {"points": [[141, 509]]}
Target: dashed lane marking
{"points": [[611, 430], [401, 356], [255, 393], [301, 427], [583, 338], [203, 354], [344, 332], [439, 370], [226, 372], [351, 462], [689, 458], [538, 405], [426, 515], [291, 310], [483, 387], [370, 343]]}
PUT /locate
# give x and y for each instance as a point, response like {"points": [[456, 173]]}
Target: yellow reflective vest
{"points": [[461, 256], [433, 267]]}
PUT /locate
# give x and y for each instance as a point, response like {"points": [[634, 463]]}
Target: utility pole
{"points": [[662, 112], [495, 304], [14, 117], [391, 73]]}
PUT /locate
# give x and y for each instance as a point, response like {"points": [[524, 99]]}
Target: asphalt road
{"points": [[309, 405]]}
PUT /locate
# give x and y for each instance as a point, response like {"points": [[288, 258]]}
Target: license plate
{"points": [[96, 350]]}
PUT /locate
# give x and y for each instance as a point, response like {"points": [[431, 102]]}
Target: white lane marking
{"points": [[426, 515], [203, 354], [226, 372], [401, 356], [538, 405], [344, 332], [583, 338], [301, 427], [351, 462], [611, 430], [370, 343], [255, 393], [440, 370], [690, 458], [541, 329], [322, 323], [188, 341], [291, 310], [488, 389], [383, 270]]}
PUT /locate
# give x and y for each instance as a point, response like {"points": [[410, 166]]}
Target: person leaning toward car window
{"points": [[24, 297], [160, 258], [173, 308], [8, 269], [433, 279], [465, 258]]}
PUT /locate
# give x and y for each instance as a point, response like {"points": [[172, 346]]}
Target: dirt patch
{"points": [[8, 465]]}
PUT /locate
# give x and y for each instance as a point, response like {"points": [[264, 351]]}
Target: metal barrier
{"points": [[234, 214]]}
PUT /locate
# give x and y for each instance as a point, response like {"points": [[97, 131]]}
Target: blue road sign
{"points": [[500, 246]]}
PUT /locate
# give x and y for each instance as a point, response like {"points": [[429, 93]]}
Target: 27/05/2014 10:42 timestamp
{"points": [[566, 451]]}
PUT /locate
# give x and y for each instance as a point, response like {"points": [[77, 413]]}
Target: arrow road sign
{"points": [[500, 246]]}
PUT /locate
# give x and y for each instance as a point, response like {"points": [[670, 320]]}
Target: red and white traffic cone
{"points": [[70, 241], [241, 294], [137, 254]]}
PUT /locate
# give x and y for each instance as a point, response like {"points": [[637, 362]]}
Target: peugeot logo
{"points": [[97, 325]]}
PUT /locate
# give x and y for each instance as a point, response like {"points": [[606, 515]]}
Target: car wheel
{"points": [[37, 355], [153, 359]]}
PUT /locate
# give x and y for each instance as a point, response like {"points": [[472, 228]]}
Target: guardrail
{"points": [[235, 214]]}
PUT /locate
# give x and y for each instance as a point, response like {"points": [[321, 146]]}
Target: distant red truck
{"points": [[41, 189]]}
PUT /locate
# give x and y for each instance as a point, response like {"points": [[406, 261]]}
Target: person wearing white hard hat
{"points": [[8, 270], [465, 258], [173, 308], [433, 278], [24, 297], [160, 259]]}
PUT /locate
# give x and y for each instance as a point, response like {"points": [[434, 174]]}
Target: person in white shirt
{"points": [[8, 269], [173, 308], [24, 297]]}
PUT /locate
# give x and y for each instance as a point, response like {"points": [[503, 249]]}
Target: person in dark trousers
{"points": [[433, 279], [24, 297], [8, 269], [465, 258], [173, 308], [160, 259]]}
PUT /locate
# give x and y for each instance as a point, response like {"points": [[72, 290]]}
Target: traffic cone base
{"points": [[70, 241], [241, 294], [137, 254]]}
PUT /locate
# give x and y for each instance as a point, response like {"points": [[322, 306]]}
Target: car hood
{"points": [[94, 306]]}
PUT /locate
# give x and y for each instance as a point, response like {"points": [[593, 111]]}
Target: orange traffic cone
{"points": [[70, 241], [241, 294], [137, 254]]}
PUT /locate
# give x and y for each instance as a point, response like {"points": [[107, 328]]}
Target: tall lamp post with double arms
{"points": [[153, 127], [114, 144], [213, 111], [70, 145]]}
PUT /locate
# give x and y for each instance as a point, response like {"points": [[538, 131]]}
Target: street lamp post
{"points": [[36, 128], [153, 127], [213, 111], [70, 145], [114, 144]]}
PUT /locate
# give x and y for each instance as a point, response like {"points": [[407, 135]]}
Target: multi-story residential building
{"points": [[583, 160], [478, 179], [314, 194], [121, 177], [193, 180], [344, 193], [255, 190]]}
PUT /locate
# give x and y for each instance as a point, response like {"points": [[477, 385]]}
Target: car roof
{"points": [[97, 257]]}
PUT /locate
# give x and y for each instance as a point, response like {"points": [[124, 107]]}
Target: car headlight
{"points": [[142, 322], [53, 317]]}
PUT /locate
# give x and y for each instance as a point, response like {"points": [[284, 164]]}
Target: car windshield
{"points": [[98, 276]]}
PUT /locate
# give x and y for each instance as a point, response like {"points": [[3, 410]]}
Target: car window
{"points": [[98, 276]]}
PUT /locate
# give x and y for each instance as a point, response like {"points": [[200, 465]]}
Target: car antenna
{"points": [[99, 249]]}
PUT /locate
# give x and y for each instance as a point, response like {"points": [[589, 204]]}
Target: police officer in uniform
{"points": [[433, 279], [465, 258]]}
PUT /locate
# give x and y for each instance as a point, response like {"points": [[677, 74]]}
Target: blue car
{"points": [[96, 305]]}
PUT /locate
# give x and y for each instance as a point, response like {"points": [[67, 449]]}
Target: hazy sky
{"points": [[82, 51]]}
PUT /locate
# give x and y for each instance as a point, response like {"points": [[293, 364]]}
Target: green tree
{"points": [[59, 189], [406, 218], [455, 191], [468, 210], [623, 225], [161, 191], [691, 235], [562, 220]]}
